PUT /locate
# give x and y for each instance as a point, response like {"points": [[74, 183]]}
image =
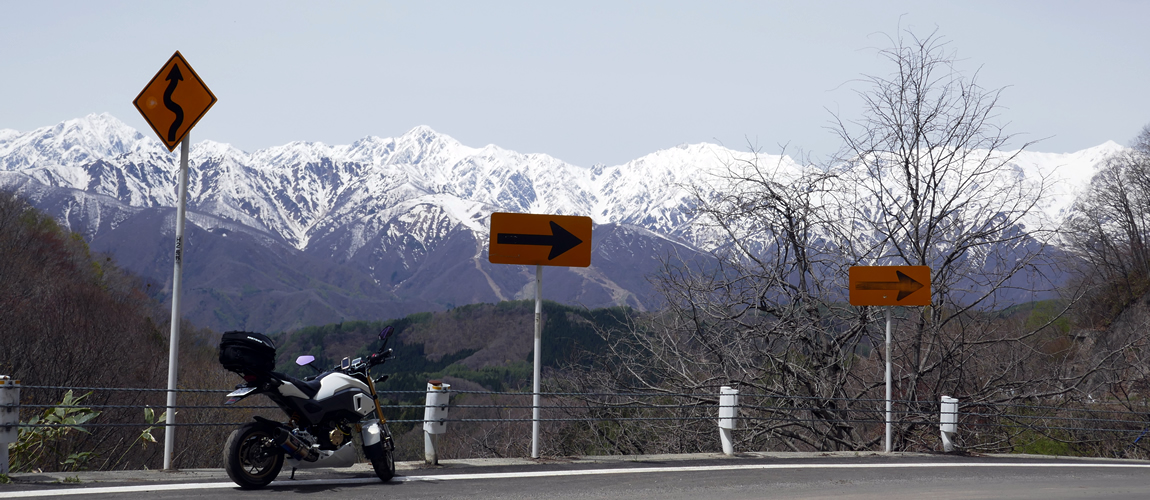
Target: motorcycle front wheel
{"points": [[382, 461], [251, 457]]}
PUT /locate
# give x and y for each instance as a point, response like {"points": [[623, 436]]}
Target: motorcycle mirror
{"points": [[385, 333], [304, 360]]}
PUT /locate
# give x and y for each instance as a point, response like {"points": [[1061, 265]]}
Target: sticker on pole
{"points": [[174, 101], [890, 285]]}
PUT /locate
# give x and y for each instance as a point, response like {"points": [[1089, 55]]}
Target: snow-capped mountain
{"points": [[308, 232], [302, 191]]}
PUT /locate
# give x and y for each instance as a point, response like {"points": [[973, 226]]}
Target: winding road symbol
{"points": [[174, 101], [174, 78]]}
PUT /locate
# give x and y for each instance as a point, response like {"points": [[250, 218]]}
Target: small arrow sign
{"points": [[872, 285], [560, 240], [905, 285], [540, 239]]}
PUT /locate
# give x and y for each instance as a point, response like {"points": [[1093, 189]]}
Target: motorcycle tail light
{"points": [[249, 378]]}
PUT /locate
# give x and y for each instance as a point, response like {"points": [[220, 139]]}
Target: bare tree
{"points": [[923, 180], [928, 183], [1142, 142], [763, 313], [1109, 231]]}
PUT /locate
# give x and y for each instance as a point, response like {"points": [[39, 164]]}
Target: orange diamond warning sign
{"points": [[174, 101]]}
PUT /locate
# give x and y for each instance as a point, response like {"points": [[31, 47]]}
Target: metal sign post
{"points": [[538, 361], [172, 103], [888, 412], [539, 240], [889, 286], [174, 342]]}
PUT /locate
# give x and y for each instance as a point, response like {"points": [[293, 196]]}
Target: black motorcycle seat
{"points": [[309, 388]]}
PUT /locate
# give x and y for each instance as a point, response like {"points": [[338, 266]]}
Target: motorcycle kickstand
{"points": [[292, 473]]}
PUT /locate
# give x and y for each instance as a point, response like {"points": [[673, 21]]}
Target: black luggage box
{"points": [[247, 353]]}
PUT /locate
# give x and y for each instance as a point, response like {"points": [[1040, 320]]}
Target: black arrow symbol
{"points": [[174, 78], [905, 285], [560, 240]]}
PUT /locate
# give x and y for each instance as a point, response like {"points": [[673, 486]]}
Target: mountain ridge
{"points": [[409, 214]]}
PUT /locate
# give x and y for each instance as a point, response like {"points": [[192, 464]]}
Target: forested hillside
{"points": [[67, 316], [487, 344], [73, 318]]}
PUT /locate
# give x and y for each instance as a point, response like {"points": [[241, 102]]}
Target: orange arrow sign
{"points": [[890, 285], [560, 240], [549, 240]]}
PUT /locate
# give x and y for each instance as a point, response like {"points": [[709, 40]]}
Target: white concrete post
{"points": [[728, 417], [9, 417], [948, 422], [434, 418]]}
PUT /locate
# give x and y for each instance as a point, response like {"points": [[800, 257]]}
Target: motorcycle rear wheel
{"points": [[251, 459], [382, 461]]}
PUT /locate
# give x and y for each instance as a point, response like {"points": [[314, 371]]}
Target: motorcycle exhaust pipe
{"points": [[295, 447]]}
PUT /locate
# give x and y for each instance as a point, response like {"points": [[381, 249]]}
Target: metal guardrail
{"points": [[1104, 428], [1124, 421]]}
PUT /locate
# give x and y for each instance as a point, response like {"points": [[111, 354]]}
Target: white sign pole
{"points": [[174, 342], [538, 359], [888, 419]]}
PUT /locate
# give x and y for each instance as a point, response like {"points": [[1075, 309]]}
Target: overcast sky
{"points": [[586, 82]]}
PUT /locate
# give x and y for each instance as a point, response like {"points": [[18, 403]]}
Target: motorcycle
{"points": [[322, 412]]}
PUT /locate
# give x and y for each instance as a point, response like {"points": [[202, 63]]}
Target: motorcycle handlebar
{"points": [[376, 358], [379, 357]]}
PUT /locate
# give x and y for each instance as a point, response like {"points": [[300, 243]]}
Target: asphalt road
{"points": [[871, 477]]}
